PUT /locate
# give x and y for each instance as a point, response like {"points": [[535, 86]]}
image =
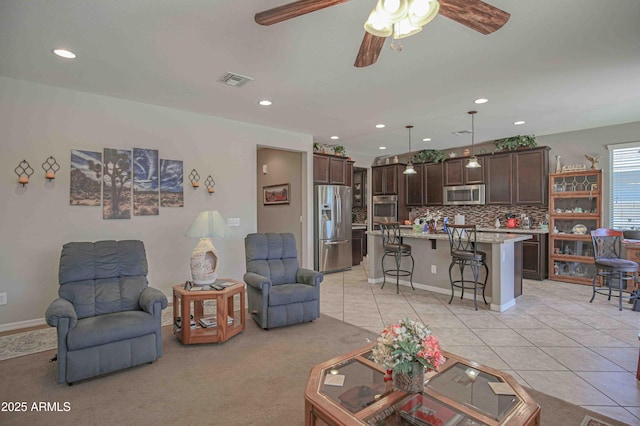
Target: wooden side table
{"points": [[225, 301]]}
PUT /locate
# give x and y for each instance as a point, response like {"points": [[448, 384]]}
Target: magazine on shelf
{"points": [[223, 283], [213, 321]]}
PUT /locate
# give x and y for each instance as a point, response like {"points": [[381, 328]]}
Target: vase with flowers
{"points": [[407, 349]]}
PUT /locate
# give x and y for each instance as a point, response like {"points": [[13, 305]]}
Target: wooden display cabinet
{"points": [[575, 209]]}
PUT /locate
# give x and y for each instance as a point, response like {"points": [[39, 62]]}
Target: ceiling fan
{"points": [[474, 14]]}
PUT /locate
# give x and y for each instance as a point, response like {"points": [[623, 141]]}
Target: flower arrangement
{"points": [[407, 342]]}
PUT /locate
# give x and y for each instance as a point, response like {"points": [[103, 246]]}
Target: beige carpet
{"points": [[256, 378]]}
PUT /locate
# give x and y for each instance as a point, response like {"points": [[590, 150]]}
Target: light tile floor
{"points": [[553, 340]]}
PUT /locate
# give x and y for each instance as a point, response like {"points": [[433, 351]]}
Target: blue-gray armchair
{"points": [[278, 290], [107, 317]]}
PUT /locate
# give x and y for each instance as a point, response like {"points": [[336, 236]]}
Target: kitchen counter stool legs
{"points": [[393, 246], [462, 239]]}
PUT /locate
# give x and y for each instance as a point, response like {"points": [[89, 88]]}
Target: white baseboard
{"points": [[22, 324]]}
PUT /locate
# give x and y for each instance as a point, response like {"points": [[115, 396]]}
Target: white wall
{"points": [[572, 146], [35, 221]]}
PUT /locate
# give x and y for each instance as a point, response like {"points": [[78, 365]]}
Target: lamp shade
{"points": [[204, 259], [209, 224]]}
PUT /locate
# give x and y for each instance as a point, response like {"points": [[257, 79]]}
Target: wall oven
{"points": [[464, 194], [385, 208]]}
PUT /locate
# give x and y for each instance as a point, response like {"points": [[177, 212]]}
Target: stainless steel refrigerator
{"points": [[332, 227]]}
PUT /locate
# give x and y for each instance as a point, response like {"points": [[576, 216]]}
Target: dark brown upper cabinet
{"points": [[518, 177], [414, 186], [455, 172], [359, 190], [531, 172], [433, 179], [385, 179], [332, 170], [499, 178]]}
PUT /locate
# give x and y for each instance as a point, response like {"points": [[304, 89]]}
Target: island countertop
{"points": [[432, 260], [481, 237]]}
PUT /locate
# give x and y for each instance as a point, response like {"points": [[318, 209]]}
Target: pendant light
{"points": [[409, 170], [473, 161]]}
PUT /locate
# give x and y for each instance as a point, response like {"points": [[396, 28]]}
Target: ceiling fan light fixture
{"points": [[404, 29], [421, 12], [392, 10], [378, 26]]}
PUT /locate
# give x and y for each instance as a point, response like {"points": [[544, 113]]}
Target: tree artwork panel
{"points": [[171, 183], [146, 199], [116, 184], [85, 188]]}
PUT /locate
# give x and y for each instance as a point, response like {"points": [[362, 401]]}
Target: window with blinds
{"points": [[625, 187]]}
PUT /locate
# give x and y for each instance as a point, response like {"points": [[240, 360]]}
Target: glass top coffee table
{"points": [[351, 390]]}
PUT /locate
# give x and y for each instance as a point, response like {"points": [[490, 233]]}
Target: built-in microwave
{"points": [[464, 194], [385, 208]]}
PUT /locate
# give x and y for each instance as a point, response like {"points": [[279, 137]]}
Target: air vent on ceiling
{"points": [[235, 80], [461, 132]]}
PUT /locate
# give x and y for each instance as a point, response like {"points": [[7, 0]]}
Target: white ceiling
{"points": [[561, 65]]}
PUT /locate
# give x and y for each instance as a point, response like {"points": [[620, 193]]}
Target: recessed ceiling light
{"points": [[64, 53], [426, 140], [335, 137], [380, 126], [481, 101], [265, 103], [518, 123], [382, 147]]}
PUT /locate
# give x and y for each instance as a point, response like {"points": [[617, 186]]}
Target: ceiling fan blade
{"points": [[369, 50], [293, 10], [475, 14]]}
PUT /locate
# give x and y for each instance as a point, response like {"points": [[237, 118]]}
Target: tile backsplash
{"points": [[359, 215], [485, 216]]}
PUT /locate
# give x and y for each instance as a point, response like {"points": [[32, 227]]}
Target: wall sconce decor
{"points": [[194, 177], [24, 171], [211, 184], [50, 167]]}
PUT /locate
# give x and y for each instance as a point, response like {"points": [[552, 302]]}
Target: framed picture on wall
{"points": [[276, 194]]}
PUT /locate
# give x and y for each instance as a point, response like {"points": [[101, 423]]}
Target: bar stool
{"points": [[607, 249], [462, 239], [393, 246]]}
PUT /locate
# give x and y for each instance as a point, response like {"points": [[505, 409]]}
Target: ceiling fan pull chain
{"points": [[397, 48]]}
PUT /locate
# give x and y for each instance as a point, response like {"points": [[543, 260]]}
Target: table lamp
{"points": [[204, 259]]}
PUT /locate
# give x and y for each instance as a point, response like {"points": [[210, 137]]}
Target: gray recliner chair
{"points": [[107, 317], [279, 291]]}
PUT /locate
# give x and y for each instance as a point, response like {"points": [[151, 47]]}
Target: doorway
{"points": [[277, 168]]}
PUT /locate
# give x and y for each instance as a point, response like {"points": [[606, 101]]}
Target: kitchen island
{"points": [[432, 259]]}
